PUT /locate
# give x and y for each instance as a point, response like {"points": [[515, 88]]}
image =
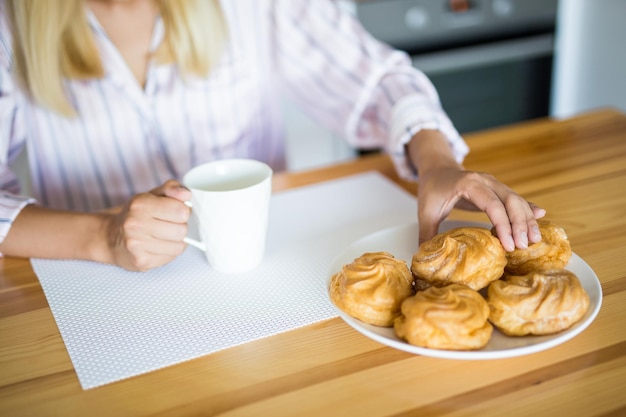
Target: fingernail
{"points": [[509, 244], [523, 244], [535, 234]]}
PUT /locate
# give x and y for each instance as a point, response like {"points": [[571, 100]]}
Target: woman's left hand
{"points": [[442, 189], [444, 184]]}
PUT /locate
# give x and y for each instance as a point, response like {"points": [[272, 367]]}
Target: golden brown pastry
{"points": [[470, 256], [552, 252], [453, 317], [539, 303], [372, 287]]}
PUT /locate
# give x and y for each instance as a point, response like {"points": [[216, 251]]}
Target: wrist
{"points": [[429, 151], [98, 242]]}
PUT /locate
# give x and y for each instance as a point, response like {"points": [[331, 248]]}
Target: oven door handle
{"points": [[484, 55]]}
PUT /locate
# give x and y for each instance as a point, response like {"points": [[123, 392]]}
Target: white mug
{"points": [[230, 200]]}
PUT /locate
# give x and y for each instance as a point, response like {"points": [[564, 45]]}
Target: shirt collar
{"points": [[115, 67]]}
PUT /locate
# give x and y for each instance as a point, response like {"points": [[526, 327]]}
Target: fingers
{"points": [[428, 228], [516, 221], [157, 217], [514, 218], [487, 199], [146, 254], [534, 235], [149, 231], [435, 202], [538, 212], [176, 190], [173, 189], [511, 222]]}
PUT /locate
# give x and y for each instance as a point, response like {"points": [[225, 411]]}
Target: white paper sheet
{"points": [[117, 324]]}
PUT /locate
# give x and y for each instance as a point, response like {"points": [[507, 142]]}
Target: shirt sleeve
{"points": [[353, 84], [11, 143]]}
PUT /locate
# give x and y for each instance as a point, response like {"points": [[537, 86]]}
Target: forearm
{"points": [[38, 232]]}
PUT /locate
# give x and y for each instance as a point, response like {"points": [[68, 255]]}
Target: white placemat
{"points": [[117, 324]]}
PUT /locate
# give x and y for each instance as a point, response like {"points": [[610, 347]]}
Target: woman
{"points": [[116, 99]]}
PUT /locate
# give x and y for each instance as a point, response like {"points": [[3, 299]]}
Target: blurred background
{"points": [[493, 62]]}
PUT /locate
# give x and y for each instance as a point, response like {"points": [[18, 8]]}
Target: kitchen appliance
{"points": [[490, 60]]}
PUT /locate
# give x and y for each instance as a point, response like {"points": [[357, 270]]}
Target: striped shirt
{"points": [[128, 139]]}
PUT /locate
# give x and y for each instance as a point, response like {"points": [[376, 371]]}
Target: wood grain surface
{"points": [[574, 168]]}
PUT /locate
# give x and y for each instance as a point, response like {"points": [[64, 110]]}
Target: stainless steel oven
{"points": [[490, 60]]}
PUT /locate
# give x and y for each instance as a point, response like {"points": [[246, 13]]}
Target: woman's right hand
{"points": [[149, 229], [145, 233]]}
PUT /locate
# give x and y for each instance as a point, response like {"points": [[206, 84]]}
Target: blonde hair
{"points": [[52, 41]]}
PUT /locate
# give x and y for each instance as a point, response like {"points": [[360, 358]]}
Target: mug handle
{"points": [[190, 241]]}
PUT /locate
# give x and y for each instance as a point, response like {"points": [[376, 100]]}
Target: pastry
{"points": [[539, 303], [552, 252], [453, 317], [471, 256], [372, 287]]}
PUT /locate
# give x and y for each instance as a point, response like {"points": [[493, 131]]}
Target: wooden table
{"points": [[575, 168]]}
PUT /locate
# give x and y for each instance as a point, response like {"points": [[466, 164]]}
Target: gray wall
{"points": [[590, 61]]}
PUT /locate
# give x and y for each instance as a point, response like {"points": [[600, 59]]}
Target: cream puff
{"points": [[471, 256], [372, 288], [538, 303], [453, 317], [552, 252]]}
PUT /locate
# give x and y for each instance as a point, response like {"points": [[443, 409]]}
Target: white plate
{"points": [[402, 243]]}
